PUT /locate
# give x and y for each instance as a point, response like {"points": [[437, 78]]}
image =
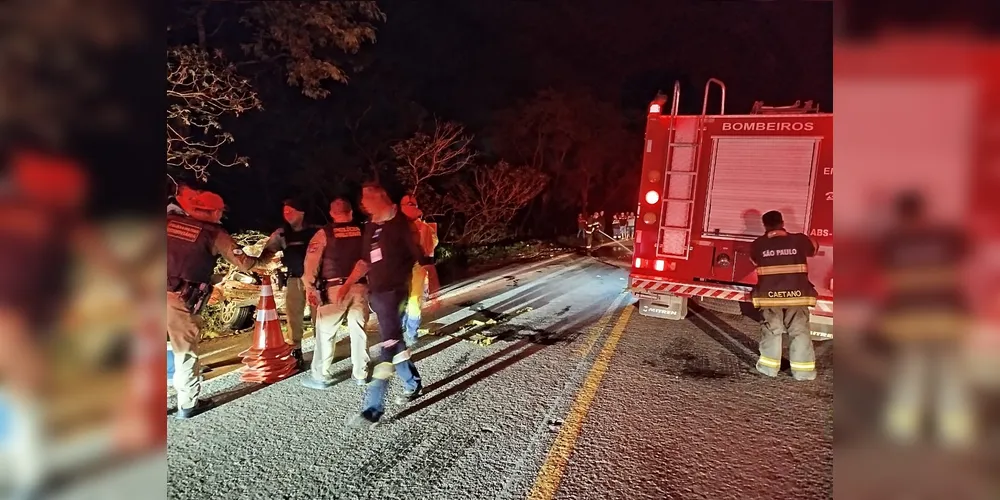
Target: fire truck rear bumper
{"points": [[656, 290]]}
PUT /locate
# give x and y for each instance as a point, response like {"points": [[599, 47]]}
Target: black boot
{"points": [[300, 362], [201, 406]]}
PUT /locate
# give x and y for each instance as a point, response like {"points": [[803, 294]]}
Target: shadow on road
{"points": [[534, 295], [730, 335], [524, 346]]}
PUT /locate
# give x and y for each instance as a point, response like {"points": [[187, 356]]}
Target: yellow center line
{"points": [[595, 332], [547, 482]]}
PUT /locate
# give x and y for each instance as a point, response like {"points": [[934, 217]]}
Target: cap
{"points": [[295, 203], [191, 200], [341, 205]]}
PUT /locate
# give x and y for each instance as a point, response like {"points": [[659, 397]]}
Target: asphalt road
{"points": [[578, 396]]}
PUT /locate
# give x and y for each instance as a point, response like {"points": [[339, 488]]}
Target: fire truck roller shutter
{"points": [[752, 175]]}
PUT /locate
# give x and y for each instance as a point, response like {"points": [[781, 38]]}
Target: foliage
{"points": [[579, 141], [201, 89], [442, 152], [209, 79], [480, 201], [54, 65], [302, 34], [489, 201]]}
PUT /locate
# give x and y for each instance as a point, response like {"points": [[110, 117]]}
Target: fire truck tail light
{"points": [[654, 108], [649, 218], [638, 262], [652, 197], [659, 265]]}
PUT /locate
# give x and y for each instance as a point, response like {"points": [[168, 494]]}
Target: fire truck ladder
{"points": [[681, 176]]}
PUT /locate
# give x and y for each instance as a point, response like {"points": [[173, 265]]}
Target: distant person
{"points": [[426, 235], [784, 295], [389, 252], [291, 240], [592, 225], [333, 252], [581, 225], [630, 226], [616, 226]]}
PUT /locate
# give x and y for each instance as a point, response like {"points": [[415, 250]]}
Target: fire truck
{"points": [[706, 181]]}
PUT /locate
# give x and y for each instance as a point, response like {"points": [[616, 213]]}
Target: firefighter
{"points": [[426, 235], [616, 226], [291, 240], [581, 225], [194, 240], [924, 317], [592, 226], [333, 252], [390, 251], [784, 294]]}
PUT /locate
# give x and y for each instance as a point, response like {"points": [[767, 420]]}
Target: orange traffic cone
{"points": [[270, 359]]}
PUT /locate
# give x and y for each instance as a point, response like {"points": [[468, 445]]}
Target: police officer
{"points": [[784, 294], [390, 251], [333, 252], [194, 240], [292, 240], [426, 235]]}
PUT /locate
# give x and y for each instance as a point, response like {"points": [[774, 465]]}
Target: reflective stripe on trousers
{"points": [[795, 321]]}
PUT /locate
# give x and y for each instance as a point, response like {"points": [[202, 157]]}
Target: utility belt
{"points": [[194, 294], [323, 285]]}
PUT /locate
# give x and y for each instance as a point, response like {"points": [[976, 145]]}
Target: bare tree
{"points": [[311, 43], [491, 200], [445, 151], [201, 90]]}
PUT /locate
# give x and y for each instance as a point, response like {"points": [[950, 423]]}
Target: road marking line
{"points": [[549, 476], [598, 329]]}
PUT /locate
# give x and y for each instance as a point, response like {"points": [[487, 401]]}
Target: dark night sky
{"points": [[465, 60]]}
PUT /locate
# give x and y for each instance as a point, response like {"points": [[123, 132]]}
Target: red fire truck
{"points": [[706, 180]]}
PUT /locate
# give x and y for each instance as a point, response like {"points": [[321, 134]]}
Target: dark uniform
{"points": [[192, 248], [333, 252], [292, 245], [784, 295], [391, 250], [924, 316]]}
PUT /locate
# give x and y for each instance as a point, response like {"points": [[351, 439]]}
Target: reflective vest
{"points": [[342, 251], [782, 273], [190, 249], [293, 255]]}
